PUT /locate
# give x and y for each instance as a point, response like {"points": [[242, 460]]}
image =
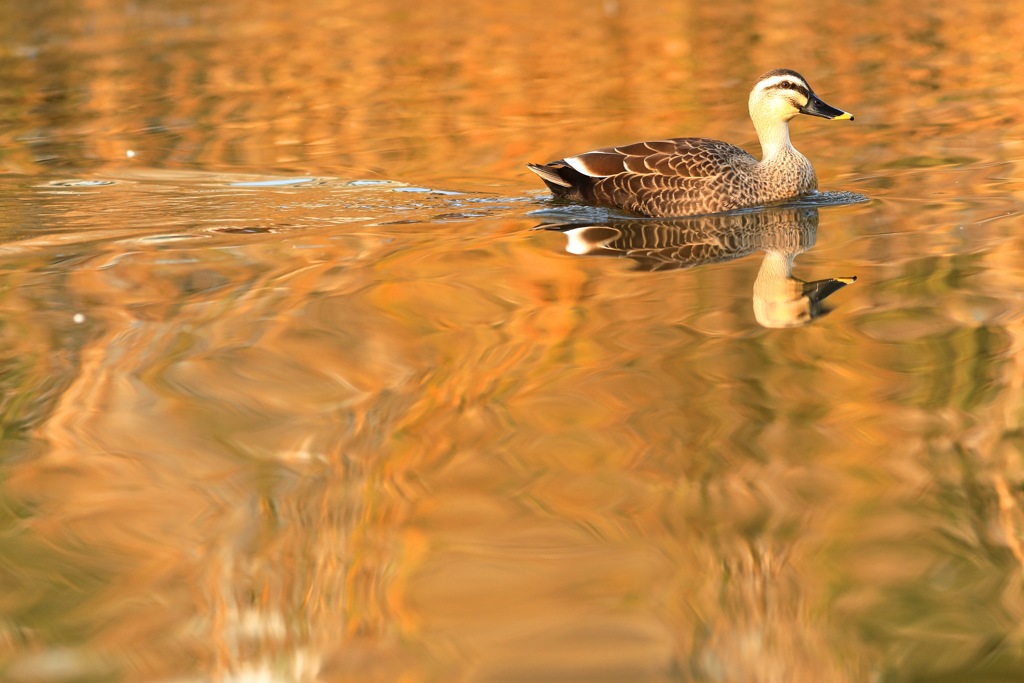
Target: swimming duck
{"points": [[691, 176]]}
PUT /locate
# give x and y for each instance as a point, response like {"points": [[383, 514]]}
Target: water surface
{"points": [[291, 389]]}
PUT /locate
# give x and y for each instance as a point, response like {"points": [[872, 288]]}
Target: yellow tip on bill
{"points": [[845, 116]]}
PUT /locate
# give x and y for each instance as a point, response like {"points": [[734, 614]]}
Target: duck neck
{"points": [[774, 137]]}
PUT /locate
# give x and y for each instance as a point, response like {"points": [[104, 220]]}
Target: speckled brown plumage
{"points": [[690, 176]]}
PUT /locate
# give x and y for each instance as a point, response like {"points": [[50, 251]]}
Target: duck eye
{"points": [[787, 85]]}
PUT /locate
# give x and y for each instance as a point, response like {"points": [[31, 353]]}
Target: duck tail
{"points": [[554, 176]]}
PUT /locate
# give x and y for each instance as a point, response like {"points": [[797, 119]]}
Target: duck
{"points": [[694, 176]]}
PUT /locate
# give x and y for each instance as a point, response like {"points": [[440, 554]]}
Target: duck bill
{"points": [[815, 107]]}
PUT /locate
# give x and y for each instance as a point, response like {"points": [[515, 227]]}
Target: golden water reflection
{"points": [[337, 456], [779, 300], [293, 392]]}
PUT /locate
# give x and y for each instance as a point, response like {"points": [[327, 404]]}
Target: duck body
{"points": [[691, 176], [677, 177]]}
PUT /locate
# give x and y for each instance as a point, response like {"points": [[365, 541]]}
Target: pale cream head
{"points": [[781, 94], [778, 96]]}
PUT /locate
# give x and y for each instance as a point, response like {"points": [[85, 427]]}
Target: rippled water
{"points": [[304, 377]]}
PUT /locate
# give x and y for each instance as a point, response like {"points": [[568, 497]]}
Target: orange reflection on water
{"points": [[341, 431]]}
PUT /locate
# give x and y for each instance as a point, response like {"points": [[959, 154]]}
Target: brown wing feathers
{"points": [[644, 177]]}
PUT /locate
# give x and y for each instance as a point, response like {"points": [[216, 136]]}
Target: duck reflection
{"points": [[780, 300]]}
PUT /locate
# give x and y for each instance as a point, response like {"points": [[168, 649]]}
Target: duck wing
{"points": [[680, 157], [672, 177]]}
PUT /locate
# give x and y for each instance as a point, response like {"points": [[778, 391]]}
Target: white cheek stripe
{"points": [[775, 80]]}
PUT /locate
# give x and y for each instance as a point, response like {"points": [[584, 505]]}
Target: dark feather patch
{"points": [[598, 164]]}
